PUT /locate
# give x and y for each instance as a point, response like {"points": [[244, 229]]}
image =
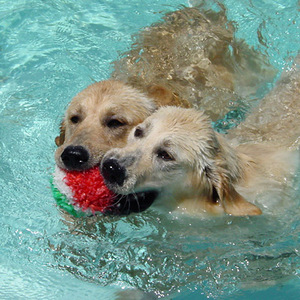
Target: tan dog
{"points": [[100, 117], [176, 152], [190, 55]]}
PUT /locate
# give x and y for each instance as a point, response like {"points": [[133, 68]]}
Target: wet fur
{"points": [[206, 170], [276, 119], [191, 58], [193, 52], [100, 103]]}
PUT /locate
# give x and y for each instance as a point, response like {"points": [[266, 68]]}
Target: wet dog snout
{"points": [[74, 157], [113, 172]]}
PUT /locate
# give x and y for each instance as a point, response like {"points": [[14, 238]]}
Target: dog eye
{"points": [[138, 133], [75, 119], [115, 123], [164, 155]]}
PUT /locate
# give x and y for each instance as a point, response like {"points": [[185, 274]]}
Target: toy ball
{"points": [[81, 193]]}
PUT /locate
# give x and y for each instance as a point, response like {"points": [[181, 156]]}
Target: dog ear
{"points": [[165, 97], [59, 140], [232, 202]]}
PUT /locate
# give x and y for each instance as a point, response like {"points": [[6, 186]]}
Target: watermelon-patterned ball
{"points": [[81, 192]]}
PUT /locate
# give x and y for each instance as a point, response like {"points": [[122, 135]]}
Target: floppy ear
{"points": [[164, 97], [59, 140], [232, 202]]}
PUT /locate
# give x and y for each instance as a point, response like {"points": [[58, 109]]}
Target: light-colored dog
{"points": [[191, 54], [176, 151], [100, 117]]}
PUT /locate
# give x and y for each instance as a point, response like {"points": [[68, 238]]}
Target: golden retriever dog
{"points": [[176, 153], [191, 54], [100, 117]]}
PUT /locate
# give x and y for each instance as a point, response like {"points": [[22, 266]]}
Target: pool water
{"points": [[49, 51]]}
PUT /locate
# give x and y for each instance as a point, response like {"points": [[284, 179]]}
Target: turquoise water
{"points": [[50, 50]]}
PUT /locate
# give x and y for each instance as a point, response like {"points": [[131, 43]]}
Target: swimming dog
{"points": [[175, 152], [214, 64], [191, 58]]}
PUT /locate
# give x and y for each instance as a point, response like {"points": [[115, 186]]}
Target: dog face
{"points": [[160, 153], [177, 150], [98, 119]]}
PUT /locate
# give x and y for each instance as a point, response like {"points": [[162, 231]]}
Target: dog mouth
{"points": [[132, 203], [76, 158], [115, 175]]}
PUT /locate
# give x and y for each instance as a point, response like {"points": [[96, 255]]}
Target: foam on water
{"points": [[49, 51]]}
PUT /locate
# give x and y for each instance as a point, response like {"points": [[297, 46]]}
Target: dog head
{"points": [[100, 117], [176, 149]]}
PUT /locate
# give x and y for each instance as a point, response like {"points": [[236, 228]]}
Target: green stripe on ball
{"points": [[63, 202]]}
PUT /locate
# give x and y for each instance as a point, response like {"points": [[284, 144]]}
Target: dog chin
{"points": [[132, 203]]}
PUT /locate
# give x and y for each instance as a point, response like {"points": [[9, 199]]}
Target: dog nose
{"points": [[112, 171], [74, 157]]}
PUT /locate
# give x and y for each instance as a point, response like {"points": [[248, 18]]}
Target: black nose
{"points": [[74, 157], [112, 172]]}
